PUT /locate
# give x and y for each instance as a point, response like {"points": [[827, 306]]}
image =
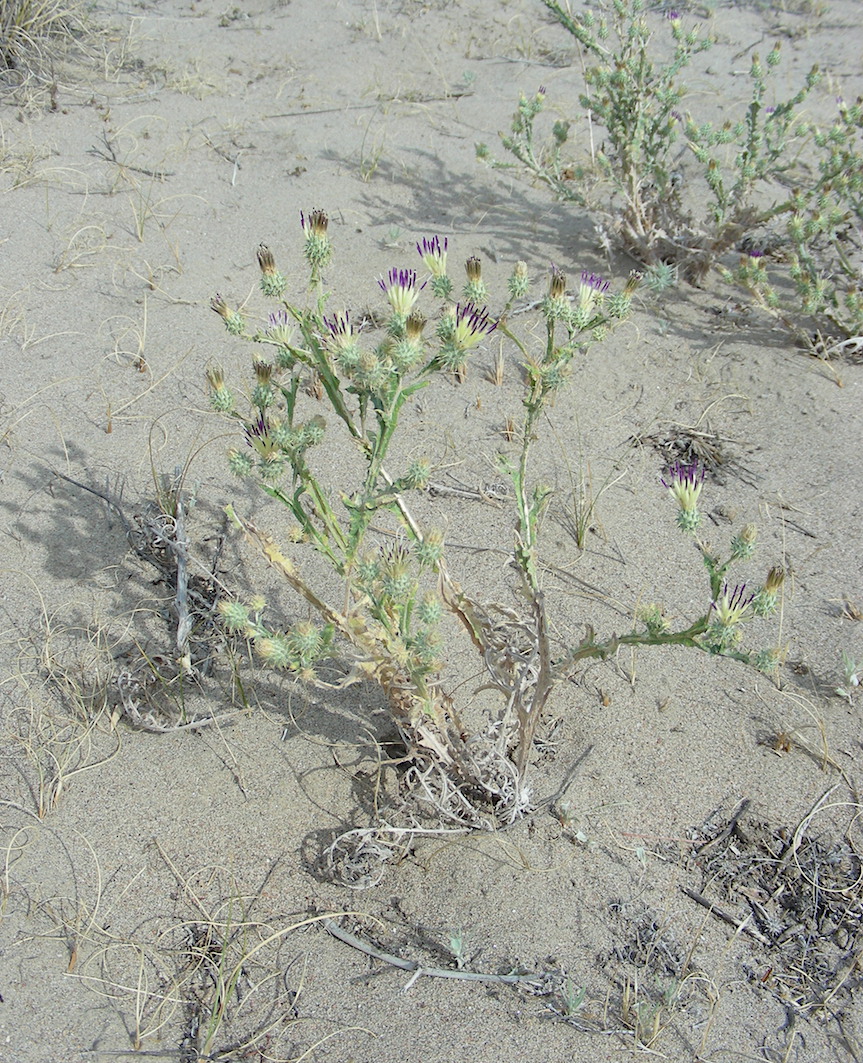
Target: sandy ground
{"points": [[132, 191]]}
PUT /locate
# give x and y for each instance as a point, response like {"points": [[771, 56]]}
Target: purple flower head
{"points": [[688, 474], [256, 429], [739, 598], [316, 223], [593, 280], [541, 91], [591, 291], [258, 436], [400, 287], [731, 606], [401, 278], [280, 327], [471, 325], [340, 329], [432, 246], [433, 255], [338, 324], [685, 480], [672, 15]]}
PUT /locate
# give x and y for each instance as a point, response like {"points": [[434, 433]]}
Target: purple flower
{"points": [[594, 281], [471, 325], [400, 288], [432, 246], [732, 605], [689, 475], [591, 291], [280, 328], [403, 278], [339, 324], [685, 480], [433, 255], [259, 437], [256, 429], [340, 329], [316, 223]]}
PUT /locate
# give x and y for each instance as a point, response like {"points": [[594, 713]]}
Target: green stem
{"points": [[591, 648], [576, 29]]}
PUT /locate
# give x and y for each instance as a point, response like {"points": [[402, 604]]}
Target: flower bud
{"points": [[317, 250], [262, 393], [239, 463], [418, 474], [557, 284], [221, 398], [368, 568], [764, 602], [305, 640], [235, 615], [430, 608], [518, 282], [743, 545], [235, 323], [275, 650], [313, 431], [474, 290], [272, 282], [430, 550]]}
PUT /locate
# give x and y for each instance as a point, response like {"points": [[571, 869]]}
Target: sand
{"points": [[139, 868]]}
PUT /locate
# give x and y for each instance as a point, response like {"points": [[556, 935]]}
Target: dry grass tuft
{"points": [[28, 28]]}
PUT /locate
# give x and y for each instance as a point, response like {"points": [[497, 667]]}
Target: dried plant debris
{"points": [[847, 348], [687, 445], [645, 942], [151, 692], [797, 891], [655, 984]]}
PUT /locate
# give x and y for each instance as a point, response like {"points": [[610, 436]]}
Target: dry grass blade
{"points": [[218, 982], [60, 723], [26, 26]]}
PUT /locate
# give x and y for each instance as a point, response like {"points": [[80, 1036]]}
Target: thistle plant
{"points": [[635, 99], [680, 193], [823, 245], [396, 591]]}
